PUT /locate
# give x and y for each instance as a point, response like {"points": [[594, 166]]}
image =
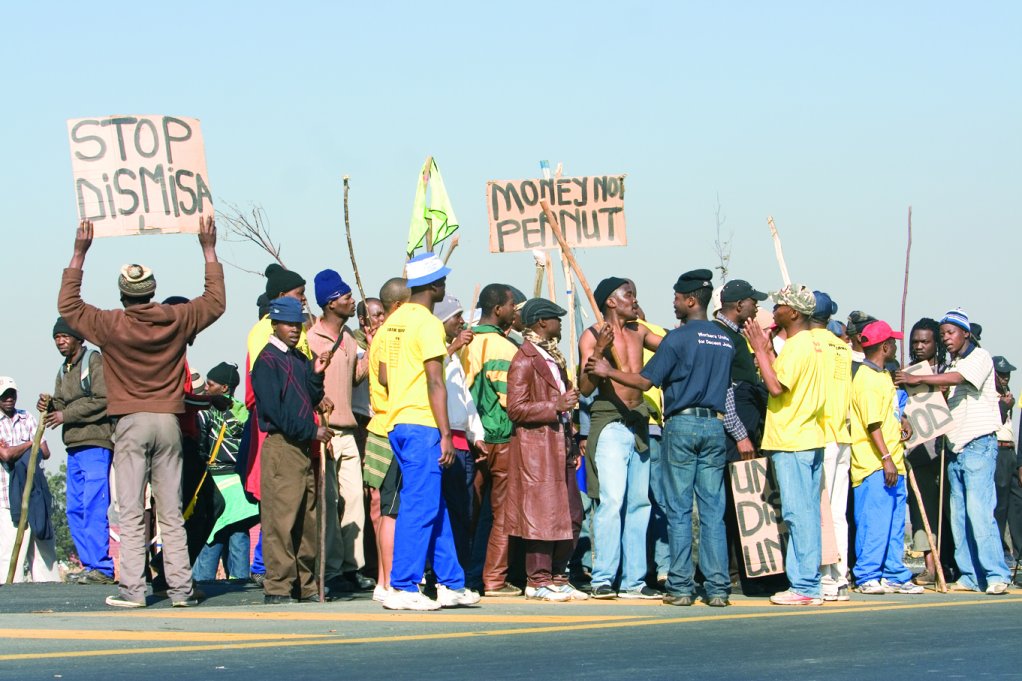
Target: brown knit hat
{"points": [[136, 281]]}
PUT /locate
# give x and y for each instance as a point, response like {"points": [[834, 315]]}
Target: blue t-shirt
{"points": [[693, 366]]}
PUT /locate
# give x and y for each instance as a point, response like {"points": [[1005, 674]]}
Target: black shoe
{"points": [[277, 600], [643, 593], [678, 599], [340, 585], [258, 578], [360, 582], [604, 591], [718, 602], [94, 577]]}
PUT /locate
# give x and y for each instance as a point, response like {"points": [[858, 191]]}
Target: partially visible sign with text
{"points": [[139, 174]]}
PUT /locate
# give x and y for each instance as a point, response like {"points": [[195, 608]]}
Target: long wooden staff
{"points": [[583, 282], [537, 287], [475, 304], [212, 458], [778, 252], [326, 450], [940, 585], [351, 249], [549, 265], [904, 290], [33, 457], [572, 331]]}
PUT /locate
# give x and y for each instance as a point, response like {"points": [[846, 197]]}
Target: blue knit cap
{"points": [[957, 317], [286, 310], [329, 286]]}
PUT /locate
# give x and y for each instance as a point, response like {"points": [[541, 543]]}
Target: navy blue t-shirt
{"points": [[693, 366]]}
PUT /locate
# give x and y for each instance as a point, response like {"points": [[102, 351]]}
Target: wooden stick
{"points": [[940, 519], [940, 584], [324, 451], [778, 252], [351, 249], [549, 266], [572, 331], [475, 304], [904, 290], [454, 244], [26, 493], [537, 287], [187, 513], [566, 252]]}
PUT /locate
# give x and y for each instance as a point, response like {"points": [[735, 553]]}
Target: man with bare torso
{"points": [[619, 444]]}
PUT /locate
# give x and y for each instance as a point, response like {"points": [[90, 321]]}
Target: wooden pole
{"points": [[940, 584], [454, 244], [572, 331], [475, 304], [537, 286], [33, 458], [549, 265], [583, 282], [904, 290], [351, 249], [778, 252], [187, 513]]}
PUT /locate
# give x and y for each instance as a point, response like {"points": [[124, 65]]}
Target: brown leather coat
{"points": [[541, 470]]}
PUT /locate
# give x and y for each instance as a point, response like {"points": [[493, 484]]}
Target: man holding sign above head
{"points": [[619, 444], [693, 366], [143, 359], [972, 448], [794, 435]]}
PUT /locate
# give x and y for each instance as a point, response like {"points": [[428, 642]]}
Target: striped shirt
{"points": [[973, 403], [14, 430]]}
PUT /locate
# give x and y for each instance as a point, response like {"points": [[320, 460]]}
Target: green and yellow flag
{"points": [[437, 217]]}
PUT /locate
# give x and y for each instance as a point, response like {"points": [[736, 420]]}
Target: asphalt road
{"points": [[65, 632]]}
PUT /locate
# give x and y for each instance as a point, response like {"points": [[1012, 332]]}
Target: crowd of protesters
{"points": [[435, 454]]}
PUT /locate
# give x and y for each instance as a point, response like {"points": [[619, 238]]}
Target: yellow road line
{"points": [[115, 635], [793, 612], [465, 616]]}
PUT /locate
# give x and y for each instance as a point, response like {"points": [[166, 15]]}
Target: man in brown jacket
{"points": [[543, 503], [144, 361]]}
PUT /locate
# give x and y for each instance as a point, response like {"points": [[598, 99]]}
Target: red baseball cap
{"points": [[877, 332]]}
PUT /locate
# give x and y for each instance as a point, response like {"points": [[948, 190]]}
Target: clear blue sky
{"points": [[833, 118]]}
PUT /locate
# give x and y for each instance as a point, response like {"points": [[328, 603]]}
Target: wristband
{"points": [[885, 456]]}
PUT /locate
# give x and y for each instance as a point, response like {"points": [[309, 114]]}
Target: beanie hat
{"points": [[605, 288], [958, 317], [136, 281], [62, 327], [225, 374], [447, 308], [329, 286], [279, 280]]}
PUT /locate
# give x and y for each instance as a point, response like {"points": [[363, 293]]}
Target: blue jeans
{"points": [[235, 561], [459, 496], [978, 551], [880, 530], [657, 515], [694, 455], [624, 492], [798, 481], [88, 499], [423, 529]]}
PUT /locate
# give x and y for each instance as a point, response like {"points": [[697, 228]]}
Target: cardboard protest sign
{"points": [[139, 174], [590, 211], [926, 410], [763, 534]]}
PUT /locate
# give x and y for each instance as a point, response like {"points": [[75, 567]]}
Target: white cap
{"points": [[425, 268], [7, 383]]}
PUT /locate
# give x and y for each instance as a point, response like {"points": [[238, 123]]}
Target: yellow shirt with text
{"points": [[837, 386], [377, 392], [793, 417], [412, 336], [873, 402]]}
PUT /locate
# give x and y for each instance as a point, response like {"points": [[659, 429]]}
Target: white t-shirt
{"points": [[973, 403]]}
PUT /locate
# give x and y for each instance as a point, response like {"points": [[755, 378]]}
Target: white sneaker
{"points": [[452, 598], [873, 586], [409, 600], [574, 593], [380, 594], [997, 588], [550, 593]]}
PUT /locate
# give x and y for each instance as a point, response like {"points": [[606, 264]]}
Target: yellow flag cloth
{"points": [[438, 216]]}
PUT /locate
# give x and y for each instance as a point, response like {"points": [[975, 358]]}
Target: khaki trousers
{"points": [[288, 516], [147, 447], [345, 506]]}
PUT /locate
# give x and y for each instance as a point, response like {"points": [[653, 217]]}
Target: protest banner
{"points": [[139, 174], [926, 410], [589, 210], [763, 534]]}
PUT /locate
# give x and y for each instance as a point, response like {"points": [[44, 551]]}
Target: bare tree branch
{"points": [[250, 227], [722, 246]]}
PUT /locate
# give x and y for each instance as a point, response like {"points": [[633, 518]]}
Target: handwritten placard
{"points": [[763, 534], [590, 211], [139, 174], [926, 410]]}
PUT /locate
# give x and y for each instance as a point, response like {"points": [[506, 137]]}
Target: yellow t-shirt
{"points": [[377, 392], [793, 418], [873, 402], [413, 335], [837, 386], [654, 397]]}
